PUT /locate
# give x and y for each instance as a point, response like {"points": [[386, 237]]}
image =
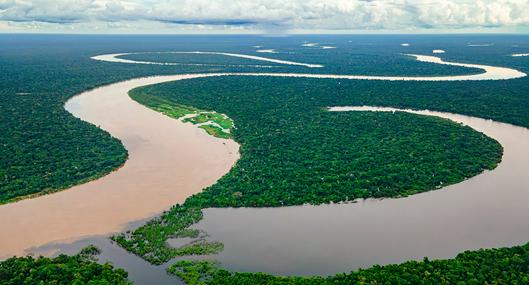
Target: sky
{"points": [[263, 16]]}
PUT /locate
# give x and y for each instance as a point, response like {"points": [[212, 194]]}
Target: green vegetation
{"points": [[43, 148], [199, 247], [296, 152], [163, 106], [215, 124], [195, 272], [76, 269], [490, 266], [150, 240], [216, 131], [222, 120]]}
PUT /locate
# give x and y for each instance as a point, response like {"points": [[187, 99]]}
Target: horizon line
{"points": [[268, 34]]}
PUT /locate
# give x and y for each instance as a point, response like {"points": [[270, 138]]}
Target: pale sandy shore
{"points": [[168, 162]]}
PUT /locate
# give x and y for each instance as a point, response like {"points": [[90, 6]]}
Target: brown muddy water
{"points": [[168, 161]]}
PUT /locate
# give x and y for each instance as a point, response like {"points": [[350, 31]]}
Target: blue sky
{"points": [[263, 16]]}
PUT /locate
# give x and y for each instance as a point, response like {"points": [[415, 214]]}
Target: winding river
{"points": [[170, 160], [489, 72]]}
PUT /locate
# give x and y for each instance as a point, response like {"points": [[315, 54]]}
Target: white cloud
{"points": [[474, 13], [267, 15], [4, 26]]}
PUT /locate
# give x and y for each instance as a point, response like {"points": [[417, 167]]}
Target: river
{"points": [[170, 160]]}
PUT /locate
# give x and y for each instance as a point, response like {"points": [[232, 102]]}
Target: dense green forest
{"points": [[490, 266], [61, 270], [335, 61], [294, 152], [43, 148]]}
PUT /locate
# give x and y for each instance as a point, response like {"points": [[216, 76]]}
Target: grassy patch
{"points": [[215, 131], [215, 124], [161, 105], [222, 120]]}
